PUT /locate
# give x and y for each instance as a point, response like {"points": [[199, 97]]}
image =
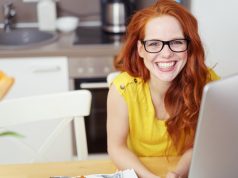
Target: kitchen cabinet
{"points": [[35, 76]]}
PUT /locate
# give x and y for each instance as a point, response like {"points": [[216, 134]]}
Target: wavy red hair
{"points": [[182, 100]]}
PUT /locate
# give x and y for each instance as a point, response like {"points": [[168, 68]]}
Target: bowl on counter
{"points": [[67, 24]]}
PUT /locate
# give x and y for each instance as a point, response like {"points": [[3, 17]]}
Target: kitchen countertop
{"points": [[64, 46]]}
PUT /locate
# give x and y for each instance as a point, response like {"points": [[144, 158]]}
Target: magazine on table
{"points": [[128, 173]]}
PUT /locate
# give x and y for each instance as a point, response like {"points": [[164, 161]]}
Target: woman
{"points": [[153, 104]]}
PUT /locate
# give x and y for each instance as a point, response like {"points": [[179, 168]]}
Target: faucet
{"points": [[9, 14]]}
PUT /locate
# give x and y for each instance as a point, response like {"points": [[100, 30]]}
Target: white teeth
{"points": [[165, 64]]}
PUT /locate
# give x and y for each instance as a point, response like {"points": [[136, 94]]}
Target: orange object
{"points": [[5, 84]]}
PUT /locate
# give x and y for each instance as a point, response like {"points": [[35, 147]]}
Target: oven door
{"points": [[95, 123]]}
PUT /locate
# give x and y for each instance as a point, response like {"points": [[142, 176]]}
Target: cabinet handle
{"points": [[94, 85], [46, 69]]}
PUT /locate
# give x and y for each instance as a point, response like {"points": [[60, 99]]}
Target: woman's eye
{"points": [[176, 42], [154, 43]]}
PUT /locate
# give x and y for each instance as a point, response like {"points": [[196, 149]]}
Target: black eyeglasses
{"points": [[155, 46]]}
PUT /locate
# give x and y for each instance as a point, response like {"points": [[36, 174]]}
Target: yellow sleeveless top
{"points": [[148, 135]]}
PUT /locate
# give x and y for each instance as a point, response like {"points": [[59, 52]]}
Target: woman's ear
{"points": [[140, 49]]}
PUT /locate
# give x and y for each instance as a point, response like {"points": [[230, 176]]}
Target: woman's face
{"points": [[166, 64]]}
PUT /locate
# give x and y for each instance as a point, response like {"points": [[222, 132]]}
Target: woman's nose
{"points": [[166, 51]]}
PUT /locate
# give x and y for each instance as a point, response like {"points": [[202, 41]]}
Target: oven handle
{"points": [[94, 85]]}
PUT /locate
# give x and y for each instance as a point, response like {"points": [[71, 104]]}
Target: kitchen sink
{"points": [[23, 38]]}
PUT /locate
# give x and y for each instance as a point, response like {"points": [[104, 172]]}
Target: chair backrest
{"points": [[66, 107]]}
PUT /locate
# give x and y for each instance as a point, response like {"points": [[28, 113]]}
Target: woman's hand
{"points": [[182, 167], [173, 175]]}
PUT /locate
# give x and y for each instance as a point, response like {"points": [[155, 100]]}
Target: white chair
{"points": [[66, 107]]}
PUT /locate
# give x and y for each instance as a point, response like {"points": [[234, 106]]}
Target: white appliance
{"points": [[218, 26], [215, 153]]}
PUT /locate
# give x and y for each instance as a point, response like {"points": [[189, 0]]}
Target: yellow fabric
{"points": [[213, 75], [148, 135]]}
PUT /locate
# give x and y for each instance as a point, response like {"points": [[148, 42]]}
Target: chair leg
{"points": [[80, 134]]}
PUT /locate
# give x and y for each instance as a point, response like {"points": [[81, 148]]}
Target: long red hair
{"points": [[182, 100]]}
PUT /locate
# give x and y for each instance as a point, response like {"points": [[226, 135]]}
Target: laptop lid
{"points": [[215, 153]]}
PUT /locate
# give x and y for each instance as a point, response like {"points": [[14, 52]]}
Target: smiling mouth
{"points": [[166, 66]]}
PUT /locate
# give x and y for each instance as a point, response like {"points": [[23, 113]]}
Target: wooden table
{"points": [[160, 166]]}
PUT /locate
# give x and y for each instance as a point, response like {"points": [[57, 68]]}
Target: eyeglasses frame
{"points": [[166, 43]]}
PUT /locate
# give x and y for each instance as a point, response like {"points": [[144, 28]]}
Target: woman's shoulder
{"points": [[123, 76], [124, 80]]}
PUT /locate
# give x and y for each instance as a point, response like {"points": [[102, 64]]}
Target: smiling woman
{"points": [[153, 104]]}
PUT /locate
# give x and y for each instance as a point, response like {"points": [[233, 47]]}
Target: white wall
{"points": [[218, 24]]}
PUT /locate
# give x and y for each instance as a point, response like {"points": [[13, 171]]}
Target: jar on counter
{"points": [[46, 13]]}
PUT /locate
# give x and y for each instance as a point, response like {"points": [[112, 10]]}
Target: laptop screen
{"points": [[215, 153]]}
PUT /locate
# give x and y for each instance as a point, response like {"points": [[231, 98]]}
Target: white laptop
{"points": [[215, 153]]}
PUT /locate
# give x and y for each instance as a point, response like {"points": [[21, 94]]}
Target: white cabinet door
{"points": [[34, 76], [38, 75]]}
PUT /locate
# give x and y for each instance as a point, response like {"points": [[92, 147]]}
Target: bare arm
{"points": [[182, 168], [117, 131]]}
